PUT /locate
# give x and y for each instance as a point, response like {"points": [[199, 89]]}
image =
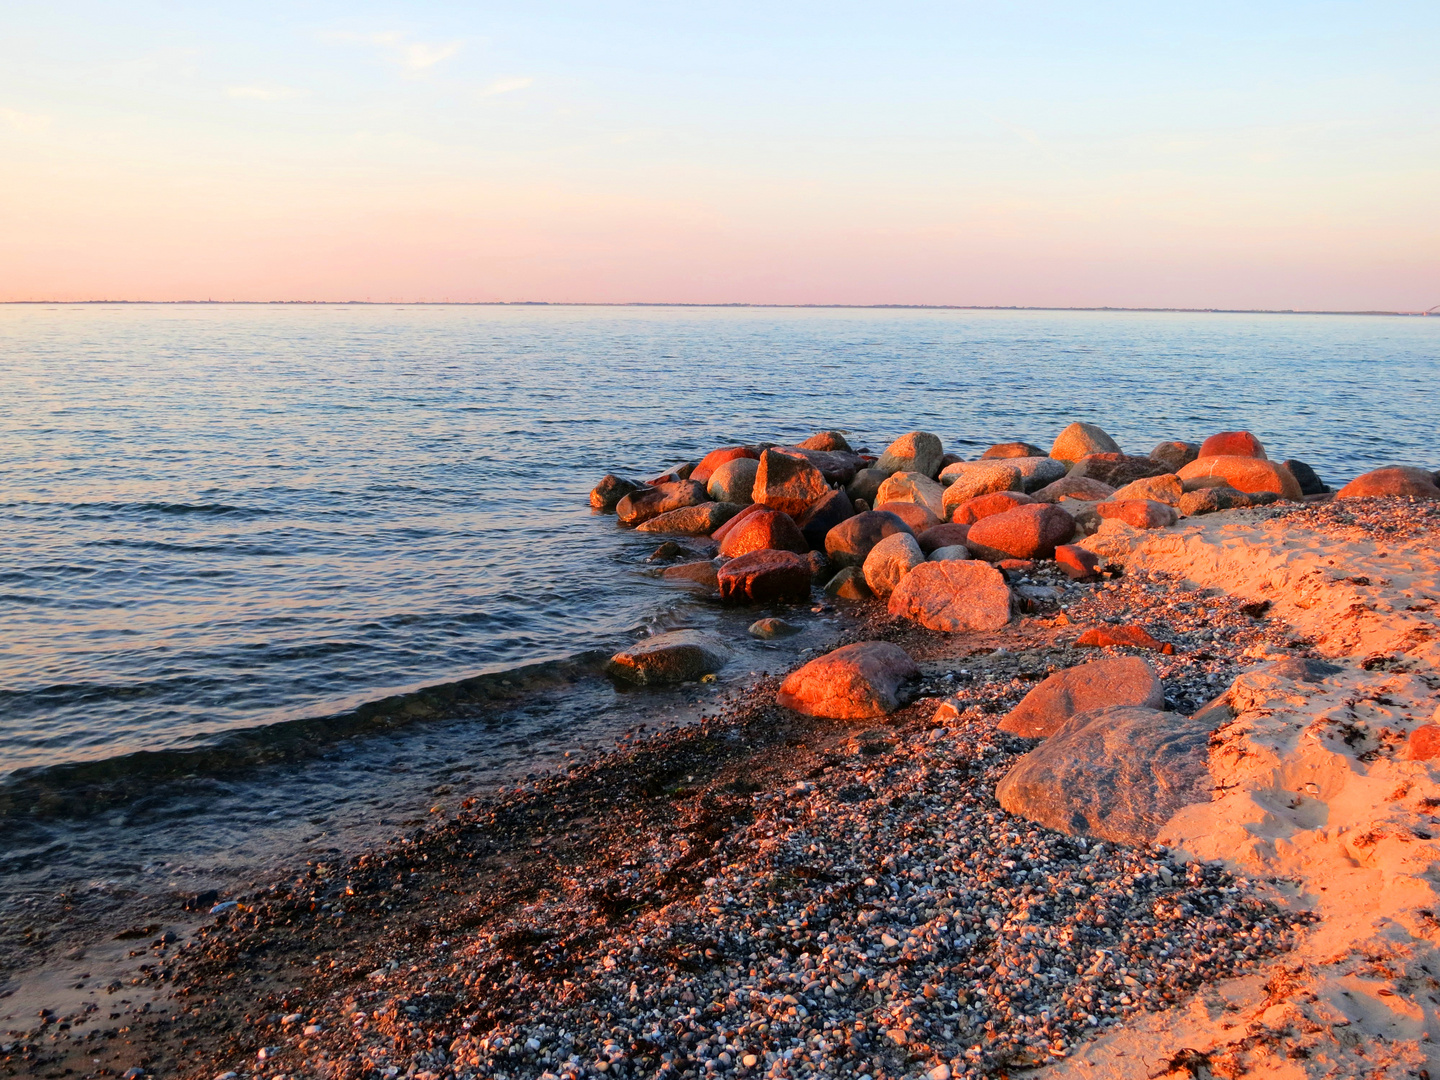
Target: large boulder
{"points": [[699, 520], [826, 440], [1232, 444], [850, 542], [951, 552], [1175, 455], [1165, 488], [1118, 774], [836, 466], [1036, 472], [788, 483], [651, 502], [947, 535], [764, 529], [1074, 487], [674, 657], [848, 584], [1392, 480], [1310, 484], [889, 561], [765, 576], [746, 512], [917, 517], [953, 596], [733, 481], [854, 682], [1140, 513], [866, 483], [610, 490], [1026, 532], [912, 487], [970, 479], [1079, 440], [830, 511], [1100, 684], [1117, 470], [713, 460], [1245, 474], [1207, 500], [918, 451], [997, 502], [1012, 450]]}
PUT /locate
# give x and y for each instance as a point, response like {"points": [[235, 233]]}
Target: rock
{"points": [[789, 484], [1012, 450], [765, 529], [848, 584], [821, 569], [1129, 636], [1118, 774], [1310, 484], [766, 629], [1077, 563], [703, 574], [948, 458], [1117, 470], [850, 542], [713, 460], [1100, 684], [997, 502], [1245, 474], [765, 576], [1036, 472], [950, 553], [1232, 444], [889, 561], [677, 656], [1423, 743], [917, 517], [942, 536], [1175, 455], [610, 490], [1079, 487], [1078, 440], [1027, 532], [980, 478], [651, 502], [910, 487], [919, 451], [671, 476], [866, 483], [1114, 542], [1087, 518], [827, 440], [733, 481], [953, 596], [1165, 488], [1141, 513], [699, 520], [1207, 500], [735, 522], [1195, 483], [855, 682], [1391, 480], [837, 467], [830, 511]]}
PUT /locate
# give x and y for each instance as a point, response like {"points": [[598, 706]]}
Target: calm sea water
{"points": [[220, 522]]}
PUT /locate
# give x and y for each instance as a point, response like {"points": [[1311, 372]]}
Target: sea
{"points": [[278, 581]]}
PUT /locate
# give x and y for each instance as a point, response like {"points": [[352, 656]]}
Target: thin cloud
{"points": [[260, 93], [413, 56], [25, 123], [506, 86]]}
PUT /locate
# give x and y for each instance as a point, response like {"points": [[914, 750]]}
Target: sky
{"points": [[1256, 155]]}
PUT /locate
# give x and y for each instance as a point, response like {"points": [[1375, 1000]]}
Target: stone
{"points": [[703, 574], [889, 561], [610, 490], [826, 440], [1077, 563], [848, 584], [953, 596], [997, 502], [667, 550], [1165, 488], [1100, 684], [1232, 444], [699, 520], [950, 553], [735, 522], [866, 483], [1310, 483], [763, 577], [789, 484], [651, 502], [1246, 474], [836, 466], [673, 657], [1392, 480], [766, 529], [1175, 455], [1141, 513], [1117, 470], [917, 517], [1036, 472], [941, 536], [1078, 487], [765, 629], [1013, 450], [1027, 532], [1118, 774], [911, 487], [1087, 518], [830, 511], [713, 460], [918, 451], [854, 682], [980, 478], [850, 542], [1127, 636], [1210, 499], [1078, 440], [1423, 744], [733, 481]]}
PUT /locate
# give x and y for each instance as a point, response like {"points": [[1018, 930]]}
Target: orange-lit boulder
{"points": [[1392, 480], [1232, 444], [1246, 474], [765, 529], [1078, 440], [972, 510], [914, 488], [1141, 513], [917, 517], [650, 502], [854, 682], [954, 595], [786, 483], [713, 460], [1012, 449], [851, 541], [1026, 532]]}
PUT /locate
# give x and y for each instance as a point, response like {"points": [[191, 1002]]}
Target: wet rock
{"points": [[1026, 532], [610, 490], [1128, 636], [830, 511], [1013, 450], [668, 550], [733, 481], [827, 440], [1100, 684], [851, 541], [950, 553], [1165, 488], [703, 574], [699, 520], [1175, 455], [889, 561], [765, 629], [918, 451], [917, 517], [735, 522], [911, 487], [1310, 484], [1118, 774], [866, 483], [941, 536], [1141, 513], [953, 596], [1079, 440], [1077, 563], [713, 460], [821, 569], [854, 682], [1117, 470], [1392, 480], [848, 584], [972, 510], [1079, 487], [1245, 474], [765, 576], [651, 502], [1232, 444], [764, 529], [673, 657], [789, 484]]}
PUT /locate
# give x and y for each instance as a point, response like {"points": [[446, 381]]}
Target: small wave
{"points": [[161, 508]]}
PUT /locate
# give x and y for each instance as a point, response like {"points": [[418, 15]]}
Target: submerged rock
{"points": [[854, 682], [673, 657], [610, 490], [1100, 684], [765, 629]]}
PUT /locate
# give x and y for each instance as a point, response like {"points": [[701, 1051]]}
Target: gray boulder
{"points": [[673, 657], [918, 451]]}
